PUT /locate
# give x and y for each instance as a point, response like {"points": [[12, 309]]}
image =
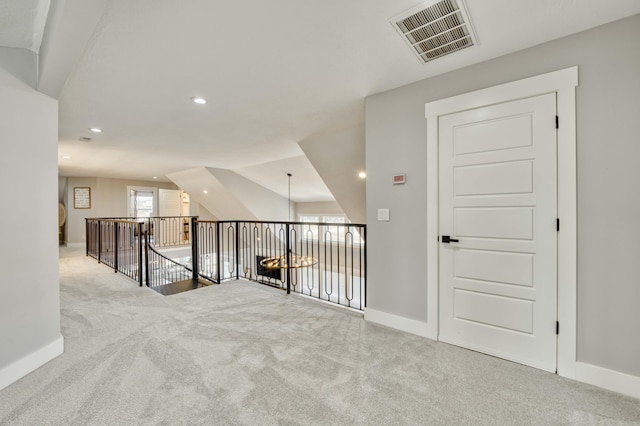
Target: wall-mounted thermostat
{"points": [[399, 179]]}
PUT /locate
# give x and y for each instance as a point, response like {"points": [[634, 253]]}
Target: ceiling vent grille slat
{"points": [[436, 29]]}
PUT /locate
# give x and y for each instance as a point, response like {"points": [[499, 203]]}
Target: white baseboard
{"points": [[625, 384], [31, 362], [399, 323]]}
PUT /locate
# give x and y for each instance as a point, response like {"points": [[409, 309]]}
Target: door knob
{"points": [[447, 239]]}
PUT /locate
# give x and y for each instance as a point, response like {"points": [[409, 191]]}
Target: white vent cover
{"points": [[436, 29]]}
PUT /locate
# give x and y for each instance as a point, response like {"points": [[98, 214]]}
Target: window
{"points": [[142, 201], [327, 233], [334, 233], [309, 232]]}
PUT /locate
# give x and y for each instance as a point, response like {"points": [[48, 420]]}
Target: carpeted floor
{"points": [[241, 353]]}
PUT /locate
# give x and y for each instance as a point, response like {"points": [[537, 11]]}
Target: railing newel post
{"points": [[218, 257], [364, 240], [116, 227], [86, 233], [195, 264], [99, 241], [237, 254], [140, 268], [288, 251], [146, 257]]}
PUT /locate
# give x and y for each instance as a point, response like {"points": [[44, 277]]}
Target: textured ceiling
{"points": [[22, 23], [274, 73]]}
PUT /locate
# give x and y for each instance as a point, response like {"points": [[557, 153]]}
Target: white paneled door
{"points": [[498, 206]]}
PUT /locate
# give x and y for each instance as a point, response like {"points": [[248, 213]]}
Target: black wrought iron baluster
{"points": [[230, 238], [327, 261], [348, 271], [282, 253], [255, 243], [293, 235], [269, 242], [245, 246]]}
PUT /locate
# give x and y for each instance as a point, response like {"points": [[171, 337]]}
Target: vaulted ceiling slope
{"points": [[274, 73]]}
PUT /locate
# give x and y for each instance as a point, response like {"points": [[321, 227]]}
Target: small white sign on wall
{"points": [[383, 215]]}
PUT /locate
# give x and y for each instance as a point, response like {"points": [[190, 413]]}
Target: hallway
{"points": [[242, 353]]}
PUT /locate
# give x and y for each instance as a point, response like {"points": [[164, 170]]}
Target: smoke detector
{"points": [[436, 29]]}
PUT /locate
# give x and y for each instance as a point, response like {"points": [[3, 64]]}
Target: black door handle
{"points": [[447, 239]]}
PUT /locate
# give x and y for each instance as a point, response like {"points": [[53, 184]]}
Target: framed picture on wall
{"points": [[82, 198]]}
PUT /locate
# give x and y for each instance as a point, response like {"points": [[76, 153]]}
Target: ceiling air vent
{"points": [[436, 29]]}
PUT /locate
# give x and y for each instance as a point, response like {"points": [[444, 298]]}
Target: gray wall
{"points": [[108, 199], [29, 288], [608, 132]]}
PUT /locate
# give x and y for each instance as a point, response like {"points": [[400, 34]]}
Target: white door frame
{"points": [[563, 83]]}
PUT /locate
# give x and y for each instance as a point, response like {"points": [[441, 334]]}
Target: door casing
{"points": [[563, 83]]}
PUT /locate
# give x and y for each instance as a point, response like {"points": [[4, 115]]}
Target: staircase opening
{"points": [[324, 261]]}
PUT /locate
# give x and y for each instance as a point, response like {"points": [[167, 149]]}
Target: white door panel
{"points": [[485, 309], [517, 268], [514, 177], [498, 185], [513, 223], [479, 135]]}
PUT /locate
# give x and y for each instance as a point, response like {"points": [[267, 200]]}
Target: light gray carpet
{"points": [[241, 353]]}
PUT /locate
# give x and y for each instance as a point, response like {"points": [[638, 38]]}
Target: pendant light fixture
{"points": [[294, 260]]}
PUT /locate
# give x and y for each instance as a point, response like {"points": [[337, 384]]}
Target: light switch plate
{"points": [[383, 215]]}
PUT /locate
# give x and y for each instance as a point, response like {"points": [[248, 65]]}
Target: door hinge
{"points": [[557, 122], [557, 327], [557, 224]]}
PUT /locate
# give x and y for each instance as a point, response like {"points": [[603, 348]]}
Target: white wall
{"points": [[230, 196], [29, 290], [197, 209], [608, 132], [338, 158], [19, 63], [263, 203], [317, 207]]}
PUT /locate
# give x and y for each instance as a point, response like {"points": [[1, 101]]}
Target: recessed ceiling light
{"points": [[84, 139], [66, 157], [205, 191], [155, 177], [199, 101], [95, 130], [362, 175]]}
